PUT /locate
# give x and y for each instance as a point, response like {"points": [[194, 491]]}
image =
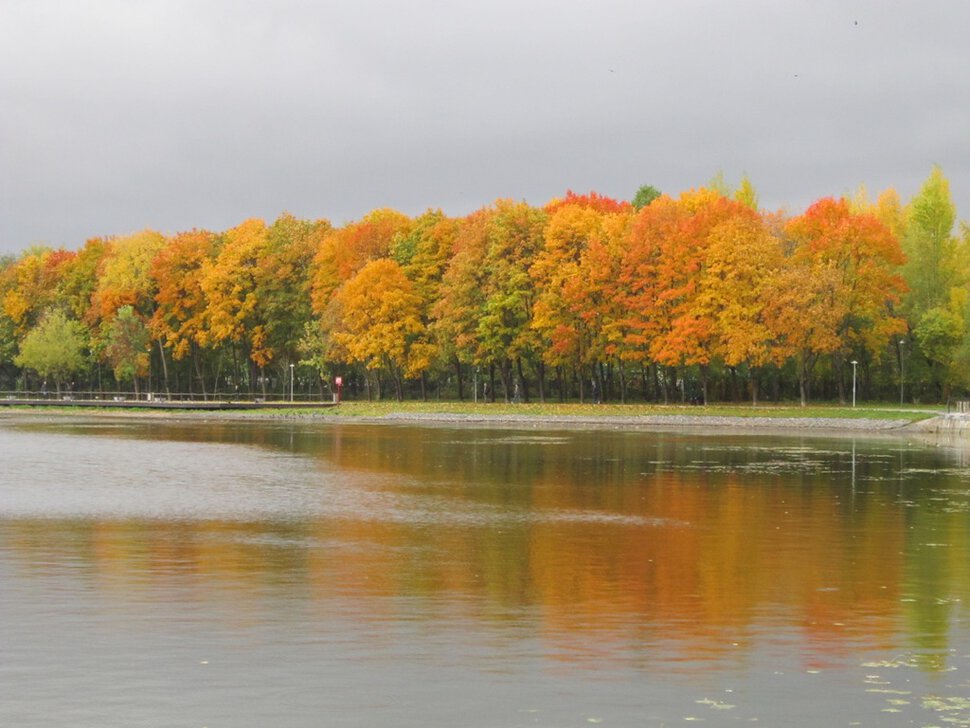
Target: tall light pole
{"points": [[853, 362], [902, 370], [291, 383]]}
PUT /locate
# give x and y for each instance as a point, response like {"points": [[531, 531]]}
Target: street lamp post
{"points": [[853, 362], [291, 383]]}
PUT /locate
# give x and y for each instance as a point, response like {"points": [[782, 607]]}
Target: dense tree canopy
{"points": [[695, 296]]}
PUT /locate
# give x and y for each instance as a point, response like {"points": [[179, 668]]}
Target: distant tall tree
{"points": [[931, 268], [938, 273], [746, 193], [645, 195], [718, 183]]}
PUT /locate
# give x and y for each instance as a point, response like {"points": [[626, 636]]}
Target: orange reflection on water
{"points": [[597, 558]]}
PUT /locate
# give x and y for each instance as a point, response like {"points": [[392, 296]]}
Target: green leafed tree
{"points": [[931, 267], [938, 276], [55, 348]]}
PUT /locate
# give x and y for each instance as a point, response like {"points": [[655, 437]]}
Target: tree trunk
{"points": [[839, 362], [803, 392], [541, 367], [505, 374], [806, 365], [198, 371], [218, 379], [461, 391], [523, 381], [251, 374], [161, 353]]}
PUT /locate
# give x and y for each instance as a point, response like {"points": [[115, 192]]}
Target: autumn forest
{"points": [[700, 296]]}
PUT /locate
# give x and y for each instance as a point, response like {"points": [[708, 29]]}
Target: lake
{"points": [[166, 572]]}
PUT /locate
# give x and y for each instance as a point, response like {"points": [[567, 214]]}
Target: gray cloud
{"points": [[115, 116]]}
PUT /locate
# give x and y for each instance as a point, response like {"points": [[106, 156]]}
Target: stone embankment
{"points": [[953, 423]]}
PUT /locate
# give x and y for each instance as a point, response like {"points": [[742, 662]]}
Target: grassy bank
{"points": [[383, 409], [356, 410]]}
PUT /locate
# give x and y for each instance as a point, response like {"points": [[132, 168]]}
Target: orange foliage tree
{"points": [[743, 259], [344, 251], [851, 262], [378, 319], [229, 283], [423, 254], [455, 313], [574, 311], [180, 316], [666, 260]]}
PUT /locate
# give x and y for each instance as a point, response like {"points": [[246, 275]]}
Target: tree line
{"points": [[699, 297]]}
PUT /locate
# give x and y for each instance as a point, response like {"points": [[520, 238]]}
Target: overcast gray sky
{"points": [[117, 115]]}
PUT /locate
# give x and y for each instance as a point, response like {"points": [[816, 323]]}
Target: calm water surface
{"points": [[164, 573]]}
